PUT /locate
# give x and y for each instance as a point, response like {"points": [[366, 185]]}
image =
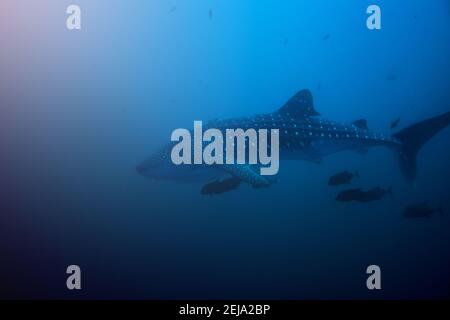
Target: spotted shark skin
{"points": [[303, 135], [310, 138]]}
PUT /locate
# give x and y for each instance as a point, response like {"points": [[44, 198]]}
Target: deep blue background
{"points": [[80, 109]]}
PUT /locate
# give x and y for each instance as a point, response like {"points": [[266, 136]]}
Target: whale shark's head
{"points": [[159, 166]]}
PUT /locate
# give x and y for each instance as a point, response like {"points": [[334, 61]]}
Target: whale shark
{"points": [[303, 135]]}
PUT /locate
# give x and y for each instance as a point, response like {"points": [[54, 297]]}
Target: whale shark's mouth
{"points": [[161, 168]]}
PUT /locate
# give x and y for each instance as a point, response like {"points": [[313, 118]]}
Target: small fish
{"points": [[326, 37], [344, 177], [349, 195], [375, 194], [218, 187], [421, 210], [286, 42], [210, 13], [173, 9], [319, 86], [394, 123], [359, 195]]}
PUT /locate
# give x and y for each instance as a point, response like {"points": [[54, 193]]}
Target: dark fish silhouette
{"points": [[359, 195], [395, 123], [218, 187], [326, 37], [173, 9], [375, 194], [349, 195], [210, 13], [344, 177], [421, 210], [286, 42]]}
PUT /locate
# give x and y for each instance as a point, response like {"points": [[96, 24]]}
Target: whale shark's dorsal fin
{"points": [[361, 123], [301, 105]]}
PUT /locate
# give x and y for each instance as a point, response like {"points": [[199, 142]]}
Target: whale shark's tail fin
{"points": [[414, 137]]}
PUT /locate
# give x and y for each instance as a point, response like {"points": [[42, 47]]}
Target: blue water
{"points": [[81, 109]]}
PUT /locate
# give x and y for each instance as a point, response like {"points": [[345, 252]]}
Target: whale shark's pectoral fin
{"points": [[248, 173], [301, 105]]}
